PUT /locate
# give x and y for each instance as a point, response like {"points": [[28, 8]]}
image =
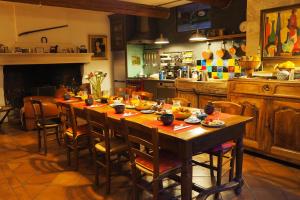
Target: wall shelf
{"points": [[44, 58], [225, 37]]}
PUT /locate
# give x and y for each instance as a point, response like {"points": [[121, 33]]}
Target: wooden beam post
{"points": [[114, 6], [214, 3]]}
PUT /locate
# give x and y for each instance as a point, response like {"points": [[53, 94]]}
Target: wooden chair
{"points": [[157, 163], [183, 102], [76, 136], [45, 126], [120, 92], [130, 89], [220, 150], [144, 95], [105, 144]]}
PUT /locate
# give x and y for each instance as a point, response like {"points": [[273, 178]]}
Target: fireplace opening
{"points": [[38, 80]]}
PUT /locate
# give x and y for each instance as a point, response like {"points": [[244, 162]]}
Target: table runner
{"points": [[83, 105], [127, 113], [170, 128]]}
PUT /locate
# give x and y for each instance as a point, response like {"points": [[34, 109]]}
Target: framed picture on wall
{"points": [[98, 46], [280, 32]]}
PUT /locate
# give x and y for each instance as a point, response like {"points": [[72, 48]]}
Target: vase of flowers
{"points": [[96, 79]]}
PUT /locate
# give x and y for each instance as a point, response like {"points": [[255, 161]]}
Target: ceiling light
{"points": [[197, 37], [161, 40]]}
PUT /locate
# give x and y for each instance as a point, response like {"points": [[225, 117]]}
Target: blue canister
{"points": [[161, 75]]}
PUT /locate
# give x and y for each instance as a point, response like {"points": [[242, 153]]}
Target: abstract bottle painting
{"points": [[281, 31]]}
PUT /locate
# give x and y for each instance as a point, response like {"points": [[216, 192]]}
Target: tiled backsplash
{"points": [[223, 69]]}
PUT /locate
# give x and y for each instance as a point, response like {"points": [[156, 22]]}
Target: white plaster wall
{"points": [[16, 18], [253, 20]]}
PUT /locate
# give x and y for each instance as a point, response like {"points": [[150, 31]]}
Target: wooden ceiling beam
{"points": [[214, 3], [114, 6]]}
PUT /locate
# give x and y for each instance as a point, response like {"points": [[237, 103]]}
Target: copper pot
{"points": [[207, 54]]}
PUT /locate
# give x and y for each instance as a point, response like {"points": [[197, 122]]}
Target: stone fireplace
{"points": [[38, 80], [37, 75]]}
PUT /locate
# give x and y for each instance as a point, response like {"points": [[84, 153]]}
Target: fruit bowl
{"points": [[249, 66], [182, 113], [143, 106]]}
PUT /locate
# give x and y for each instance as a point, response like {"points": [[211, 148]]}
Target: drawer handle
{"points": [[266, 88]]}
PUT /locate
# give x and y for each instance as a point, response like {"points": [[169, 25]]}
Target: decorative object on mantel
{"points": [[96, 79], [42, 29], [98, 46], [280, 33]]}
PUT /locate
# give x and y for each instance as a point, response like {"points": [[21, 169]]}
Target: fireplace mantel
{"points": [[43, 58]]}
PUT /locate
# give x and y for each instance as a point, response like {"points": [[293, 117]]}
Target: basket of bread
{"points": [[285, 70]]}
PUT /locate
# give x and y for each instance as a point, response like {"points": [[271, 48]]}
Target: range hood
{"points": [[145, 31]]}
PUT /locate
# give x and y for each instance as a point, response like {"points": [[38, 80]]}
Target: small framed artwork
{"points": [[98, 46], [280, 32]]}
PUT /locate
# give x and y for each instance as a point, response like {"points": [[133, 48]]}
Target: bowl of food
{"points": [[182, 113], [143, 106], [119, 108]]}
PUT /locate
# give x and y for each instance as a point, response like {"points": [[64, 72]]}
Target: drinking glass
{"points": [[127, 99], [217, 113]]}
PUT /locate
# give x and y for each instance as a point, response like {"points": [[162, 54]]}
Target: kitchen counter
{"points": [[148, 79]]}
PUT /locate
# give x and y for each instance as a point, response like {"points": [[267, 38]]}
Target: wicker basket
{"points": [[249, 66]]}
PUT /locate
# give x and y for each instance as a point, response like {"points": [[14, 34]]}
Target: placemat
{"points": [[170, 128]]}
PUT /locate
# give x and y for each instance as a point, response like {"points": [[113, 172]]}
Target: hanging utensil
{"points": [[207, 54], [232, 49], [226, 52], [220, 52]]}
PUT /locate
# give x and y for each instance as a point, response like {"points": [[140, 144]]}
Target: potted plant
{"points": [[96, 79]]}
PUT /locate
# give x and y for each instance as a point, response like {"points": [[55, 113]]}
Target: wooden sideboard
{"points": [[275, 106], [200, 92]]}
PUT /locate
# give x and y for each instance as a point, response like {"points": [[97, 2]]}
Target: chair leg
{"points": [[57, 136], [76, 154], [135, 195], [211, 164], [155, 186], [107, 173], [69, 156], [39, 139], [45, 141], [97, 175], [231, 172], [219, 172]]}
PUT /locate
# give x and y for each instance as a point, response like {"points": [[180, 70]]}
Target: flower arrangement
{"points": [[96, 79]]}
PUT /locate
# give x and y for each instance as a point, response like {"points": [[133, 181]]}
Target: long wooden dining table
{"points": [[190, 141]]}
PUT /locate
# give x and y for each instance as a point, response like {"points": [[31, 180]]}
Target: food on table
{"points": [[212, 122], [143, 106], [112, 99], [182, 113]]}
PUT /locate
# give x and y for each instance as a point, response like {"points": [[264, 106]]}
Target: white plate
{"points": [[219, 124], [147, 111], [192, 120]]}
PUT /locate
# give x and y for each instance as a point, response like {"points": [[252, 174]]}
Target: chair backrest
{"points": [[229, 107], [183, 102], [137, 135], [38, 110], [130, 89], [68, 117], [120, 92], [98, 127], [144, 95]]}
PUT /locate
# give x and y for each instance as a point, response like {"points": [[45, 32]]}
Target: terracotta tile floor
{"points": [[26, 174]]}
